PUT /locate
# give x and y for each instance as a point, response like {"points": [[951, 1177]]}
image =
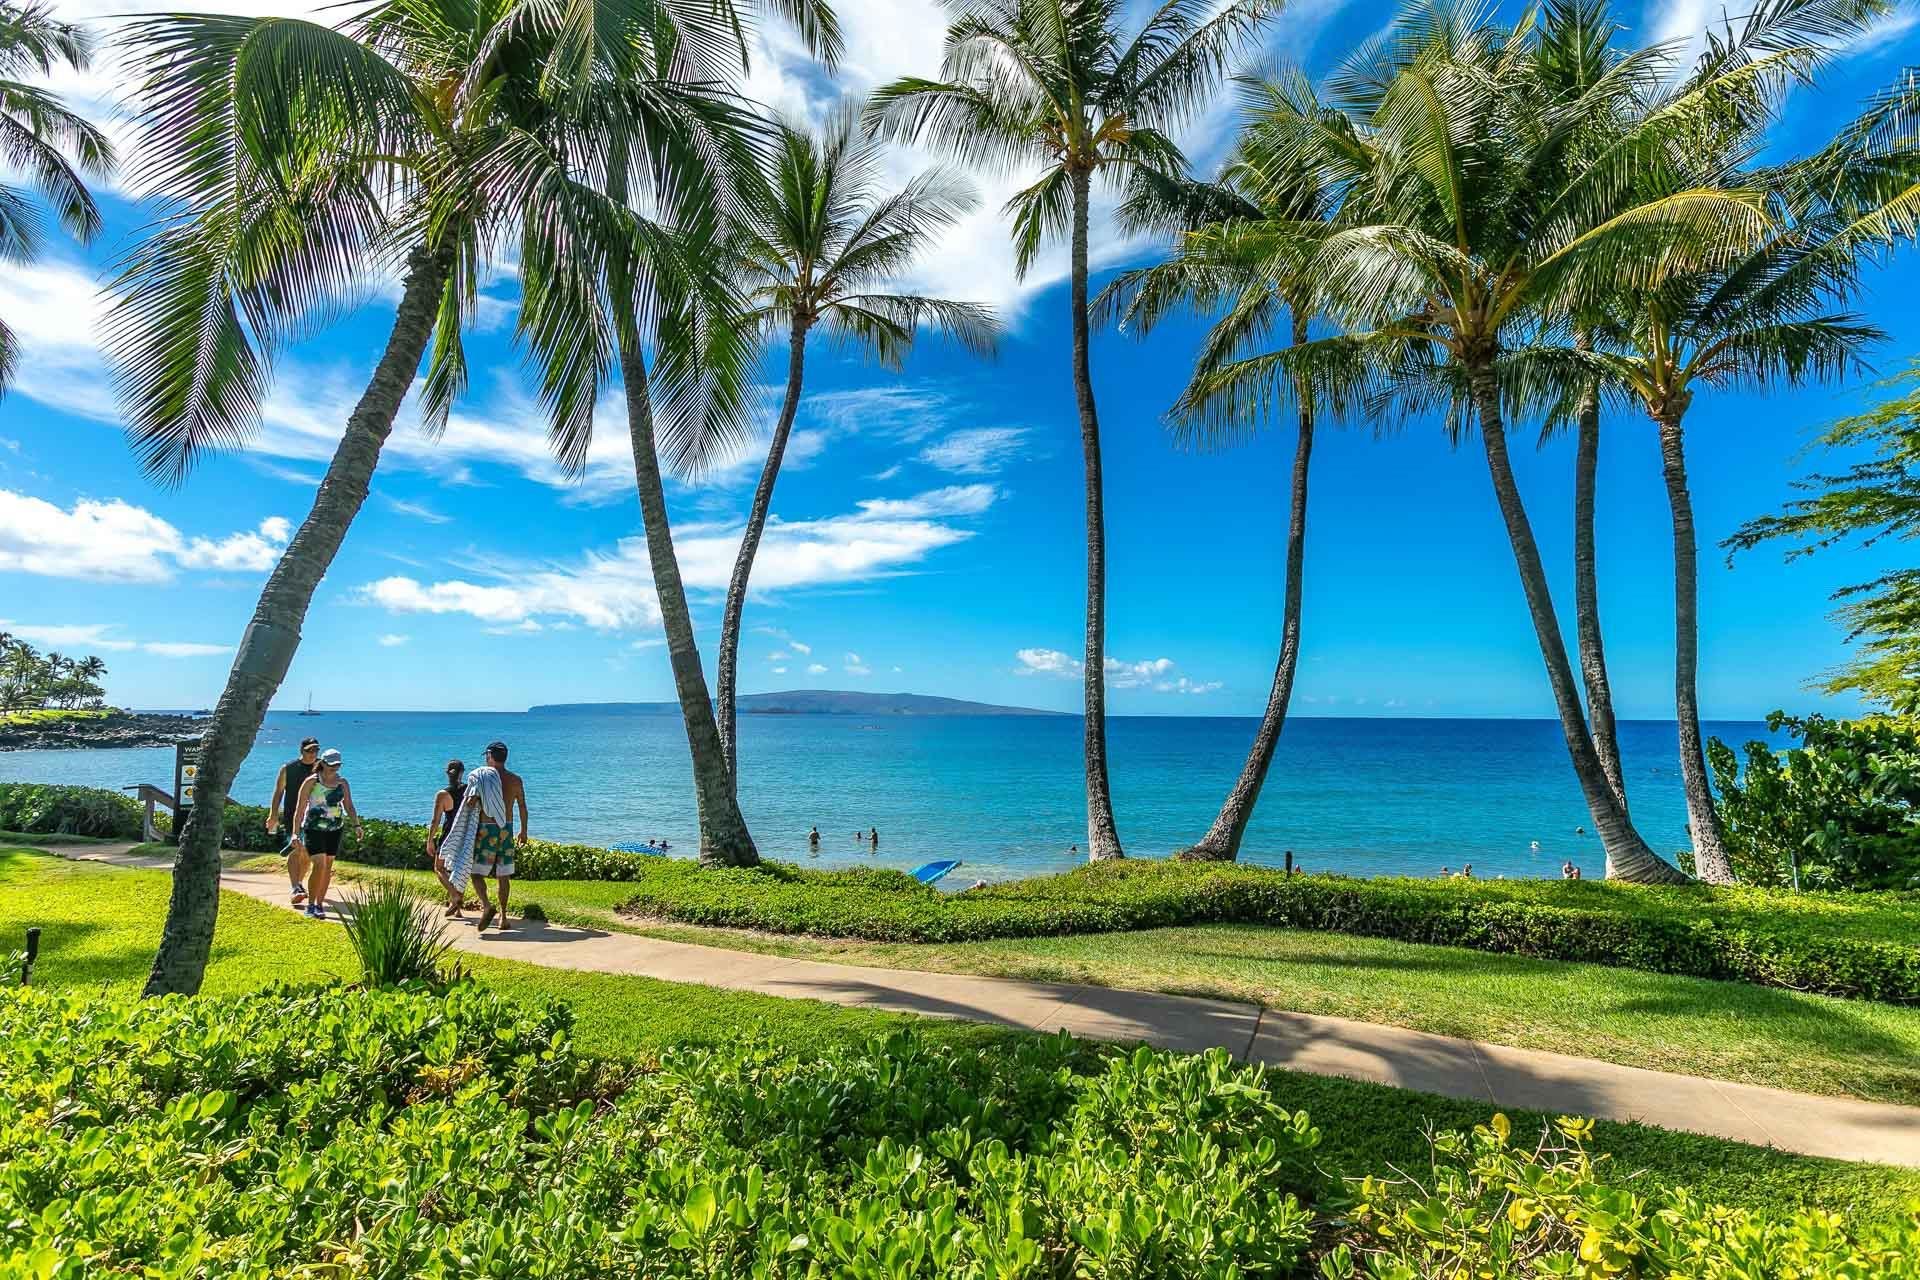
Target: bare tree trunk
{"points": [[1586, 595], [750, 546], [1103, 838], [1710, 860], [273, 635], [1222, 841], [1628, 857], [724, 838]]}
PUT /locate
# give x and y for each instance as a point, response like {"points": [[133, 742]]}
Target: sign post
{"points": [[186, 772]]}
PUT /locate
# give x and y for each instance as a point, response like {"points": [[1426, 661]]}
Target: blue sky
{"points": [[928, 526]]}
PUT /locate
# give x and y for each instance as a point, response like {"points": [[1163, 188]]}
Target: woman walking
{"points": [[327, 801], [446, 803]]}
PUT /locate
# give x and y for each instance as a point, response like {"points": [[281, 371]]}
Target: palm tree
{"points": [[1451, 253], [1055, 84], [1761, 322], [818, 246], [36, 133], [288, 156], [1219, 266]]}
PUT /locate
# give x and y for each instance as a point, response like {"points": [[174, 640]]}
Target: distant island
{"points": [[812, 702]]}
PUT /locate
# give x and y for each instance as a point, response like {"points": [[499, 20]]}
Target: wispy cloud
{"points": [[105, 637], [393, 640], [975, 450], [419, 511], [614, 590], [1155, 674]]}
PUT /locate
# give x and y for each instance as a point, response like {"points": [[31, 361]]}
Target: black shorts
{"points": [[323, 844]]}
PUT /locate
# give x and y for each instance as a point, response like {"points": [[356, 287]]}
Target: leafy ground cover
{"points": [[423, 1133], [102, 923], [1728, 1031]]}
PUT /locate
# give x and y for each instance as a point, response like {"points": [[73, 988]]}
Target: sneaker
{"points": [[299, 894], [315, 912]]}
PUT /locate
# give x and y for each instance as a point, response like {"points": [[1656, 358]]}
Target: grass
{"points": [[1724, 1030], [102, 923]]}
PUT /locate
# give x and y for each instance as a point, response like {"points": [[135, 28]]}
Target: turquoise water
{"points": [[1366, 797]]}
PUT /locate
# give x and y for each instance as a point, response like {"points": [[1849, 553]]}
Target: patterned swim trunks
{"points": [[493, 851]]}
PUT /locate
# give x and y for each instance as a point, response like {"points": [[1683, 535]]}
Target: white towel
{"points": [[456, 850]]}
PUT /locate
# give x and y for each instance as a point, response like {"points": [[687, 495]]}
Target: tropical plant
{"points": [[397, 934], [1475, 224], [818, 246], [1840, 810], [37, 133], [1257, 297], [1055, 85], [30, 680], [1873, 499], [290, 159], [1763, 320]]}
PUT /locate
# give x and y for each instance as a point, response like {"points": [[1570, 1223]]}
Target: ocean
{"points": [[1359, 796]]}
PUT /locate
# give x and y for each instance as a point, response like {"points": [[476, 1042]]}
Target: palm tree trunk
{"points": [[1586, 595], [1222, 841], [724, 838], [1103, 838], [750, 546], [271, 638], [1710, 860], [1628, 857]]}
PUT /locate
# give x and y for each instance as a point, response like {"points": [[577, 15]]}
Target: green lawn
{"points": [[44, 716], [1726, 1030], [102, 923]]}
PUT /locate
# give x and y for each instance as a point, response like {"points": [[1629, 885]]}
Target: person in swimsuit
{"points": [[327, 802], [873, 838], [813, 842], [446, 803], [493, 847], [280, 812]]}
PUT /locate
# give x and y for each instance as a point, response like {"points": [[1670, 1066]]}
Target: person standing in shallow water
{"points": [[813, 842], [446, 803], [873, 838], [281, 812]]}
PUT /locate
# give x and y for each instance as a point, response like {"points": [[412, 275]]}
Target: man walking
{"points": [[280, 813], [483, 840]]}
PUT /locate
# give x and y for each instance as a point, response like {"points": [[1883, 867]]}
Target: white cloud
{"points": [[69, 635], [1133, 675], [797, 647], [419, 511], [888, 474], [1047, 662], [1156, 674], [975, 450], [254, 552], [614, 590], [816, 668], [903, 412], [181, 649], [393, 640], [954, 500], [779, 671], [100, 637], [855, 667], [115, 541]]}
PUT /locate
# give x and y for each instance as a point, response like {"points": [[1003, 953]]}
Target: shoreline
{"points": [[86, 733]]}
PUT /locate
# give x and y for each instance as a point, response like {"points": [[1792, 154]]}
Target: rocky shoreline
{"points": [[119, 729]]}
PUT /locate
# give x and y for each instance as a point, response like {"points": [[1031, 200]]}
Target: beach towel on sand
{"points": [[457, 849]]}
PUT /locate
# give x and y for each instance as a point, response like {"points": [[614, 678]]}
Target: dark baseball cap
{"points": [[305, 743], [497, 749]]}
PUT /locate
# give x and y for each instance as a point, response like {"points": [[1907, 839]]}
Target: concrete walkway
{"points": [[1550, 1082]]}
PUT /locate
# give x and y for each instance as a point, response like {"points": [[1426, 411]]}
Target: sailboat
{"points": [[310, 711]]}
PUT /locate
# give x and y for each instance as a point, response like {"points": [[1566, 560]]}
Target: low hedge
{"points": [[404, 1133], [44, 809], [1856, 945], [1698, 931]]}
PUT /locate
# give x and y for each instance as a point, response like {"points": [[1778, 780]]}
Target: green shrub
{"points": [[1801, 941], [1839, 811], [1487, 1207], [398, 935], [44, 809], [404, 1133]]}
